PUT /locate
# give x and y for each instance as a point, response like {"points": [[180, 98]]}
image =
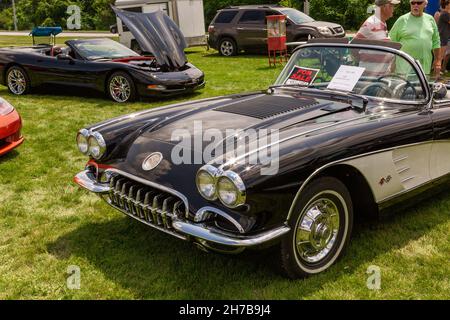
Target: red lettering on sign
{"points": [[302, 75]]}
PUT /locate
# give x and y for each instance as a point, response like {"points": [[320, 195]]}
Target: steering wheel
{"points": [[319, 80], [404, 86], [379, 85]]}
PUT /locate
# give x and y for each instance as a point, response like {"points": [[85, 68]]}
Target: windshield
{"points": [[103, 49], [368, 72], [296, 16]]}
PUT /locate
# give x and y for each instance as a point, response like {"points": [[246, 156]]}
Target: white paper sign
{"points": [[346, 78]]}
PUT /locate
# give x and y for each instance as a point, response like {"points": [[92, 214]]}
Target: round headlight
{"points": [[97, 146], [231, 190], [82, 141], [206, 182]]}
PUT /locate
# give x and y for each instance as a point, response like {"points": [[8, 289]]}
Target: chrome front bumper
{"points": [[184, 229]]}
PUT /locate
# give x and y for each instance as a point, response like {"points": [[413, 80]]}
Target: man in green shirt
{"points": [[418, 33]]}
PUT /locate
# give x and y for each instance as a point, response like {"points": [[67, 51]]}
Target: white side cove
{"points": [[393, 172], [440, 159]]}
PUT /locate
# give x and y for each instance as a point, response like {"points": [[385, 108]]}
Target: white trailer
{"points": [[187, 14]]}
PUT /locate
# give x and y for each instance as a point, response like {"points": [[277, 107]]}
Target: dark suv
{"points": [[245, 27]]}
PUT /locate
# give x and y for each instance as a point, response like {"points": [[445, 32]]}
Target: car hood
{"points": [[280, 112], [156, 33]]}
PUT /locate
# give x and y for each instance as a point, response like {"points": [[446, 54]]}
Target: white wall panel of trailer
{"points": [[187, 14]]}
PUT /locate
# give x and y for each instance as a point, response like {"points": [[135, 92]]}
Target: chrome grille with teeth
{"points": [[145, 203]]}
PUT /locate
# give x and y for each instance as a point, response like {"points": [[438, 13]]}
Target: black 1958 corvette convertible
{"points": [[357, 127], [106, 65]]}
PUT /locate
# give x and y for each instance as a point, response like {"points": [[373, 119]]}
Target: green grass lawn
{"points": [[48, 224]]}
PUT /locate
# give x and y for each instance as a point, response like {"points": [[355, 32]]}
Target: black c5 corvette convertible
{"points": [[106, 65]]}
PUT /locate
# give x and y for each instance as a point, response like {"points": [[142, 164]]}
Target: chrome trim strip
{"points": [[408, 179], [403, 170], [287, 139], [381, 202], [400, 159]]}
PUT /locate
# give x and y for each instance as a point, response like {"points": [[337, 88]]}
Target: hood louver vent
{"points": [[268, 106]]}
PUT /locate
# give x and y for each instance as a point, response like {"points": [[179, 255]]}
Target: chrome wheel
{"points": [[321, 220], [227, 48], [120, 88], [317, 230], [17, 82]]}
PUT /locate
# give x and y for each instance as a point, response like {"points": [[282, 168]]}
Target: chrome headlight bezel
{"points": [[239, 186], [212, 172], [96, 140], [83, 134]]}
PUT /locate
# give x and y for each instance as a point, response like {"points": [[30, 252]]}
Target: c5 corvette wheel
{"points": [[321, 226], [121, 87], [17, 81]]}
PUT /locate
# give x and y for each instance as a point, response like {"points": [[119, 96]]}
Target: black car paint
{"points": [[43, 69]]}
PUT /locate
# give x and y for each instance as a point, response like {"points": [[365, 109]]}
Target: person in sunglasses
{"points": [[418, 33]]}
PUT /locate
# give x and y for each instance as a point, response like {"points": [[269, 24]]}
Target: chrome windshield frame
{"points": [[417, 68]]}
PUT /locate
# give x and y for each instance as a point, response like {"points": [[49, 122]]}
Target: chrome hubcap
{"points": [[317, 230], [227, 48], [120, 89], [16, 82]]}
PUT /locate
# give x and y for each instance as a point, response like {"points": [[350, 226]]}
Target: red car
{"points": [[10, 126]]}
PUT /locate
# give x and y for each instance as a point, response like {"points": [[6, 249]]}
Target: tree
{"points": [[97, 14]]}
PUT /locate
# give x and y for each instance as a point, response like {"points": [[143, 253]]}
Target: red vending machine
{"points": [[276, 39]]}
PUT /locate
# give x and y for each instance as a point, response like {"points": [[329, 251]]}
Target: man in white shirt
{"points": [[375, 27]]}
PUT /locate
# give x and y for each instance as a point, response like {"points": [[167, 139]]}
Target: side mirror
{"points": [[439, 91]]}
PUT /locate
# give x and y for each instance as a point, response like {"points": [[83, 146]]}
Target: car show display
{"points": [[352, 142]]}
